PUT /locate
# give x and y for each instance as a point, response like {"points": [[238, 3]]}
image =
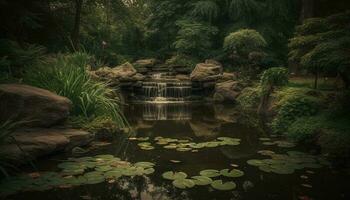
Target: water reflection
{"points": [[154, 112]]}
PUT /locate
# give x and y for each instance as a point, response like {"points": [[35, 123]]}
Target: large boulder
{"points": [[35, 143], [38, 107], [227, 91], [227, 77], [123, 73], [209, 71]]}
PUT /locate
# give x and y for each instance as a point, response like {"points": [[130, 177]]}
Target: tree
{"points": [[245, 47], [321, 45], [207, 10], [271, 78], [76, 28], [194, 38]]}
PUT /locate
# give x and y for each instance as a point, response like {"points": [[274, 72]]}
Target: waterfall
{"points": [[159, 91]]}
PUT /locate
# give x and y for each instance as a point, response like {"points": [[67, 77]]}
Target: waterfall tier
{"points": [[166, 92]]}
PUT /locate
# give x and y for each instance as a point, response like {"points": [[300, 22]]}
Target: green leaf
{"points": [[210, 173], [219, 185], [183, 183], [233, 173], [202, 180], [169, 175]]}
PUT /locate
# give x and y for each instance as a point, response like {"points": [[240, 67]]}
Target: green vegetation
{"points": [[321, 45], [271, 78], [67, 76]]}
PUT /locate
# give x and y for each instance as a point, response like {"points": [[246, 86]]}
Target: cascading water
{"points": [[159, 91]]}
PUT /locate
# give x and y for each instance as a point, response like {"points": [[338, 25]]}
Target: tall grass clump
{"points": [[67, 76]]}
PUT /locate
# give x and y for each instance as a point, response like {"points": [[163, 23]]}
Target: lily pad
{"points": [[233, 173], [142, 144], [210, 173], [148, 171], [169, 175], [104, 168], [143, 139], [170, 147], [144, 164], [219, 185], [202, 180], [183, 149], [113, 174], [183, 183], [256, 163], [147, 148]]}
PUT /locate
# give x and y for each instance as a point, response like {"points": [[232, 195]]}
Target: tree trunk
{"points": [[264, 101], [307, 9], [76, 29]]}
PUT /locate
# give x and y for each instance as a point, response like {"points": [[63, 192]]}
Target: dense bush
{"points": [[292, 109], [194, 38], [67, 76], [249, 98], [14, 58]]}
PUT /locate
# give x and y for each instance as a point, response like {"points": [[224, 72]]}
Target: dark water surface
{"points": [[197, 123]]}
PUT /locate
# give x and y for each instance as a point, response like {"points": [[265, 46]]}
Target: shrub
{"points": [[292, 109], [182, 60], [249, 98], [67, 76], [14, 58], [244, 42]]}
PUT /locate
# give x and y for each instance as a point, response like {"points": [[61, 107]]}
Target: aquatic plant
{"points": [[77, 172]]}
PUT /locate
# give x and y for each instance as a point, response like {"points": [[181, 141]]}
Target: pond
{"points": [[193, 140]]}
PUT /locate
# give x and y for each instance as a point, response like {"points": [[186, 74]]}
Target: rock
{"points": [[213, 62], [124, 70], [206, 72], [227, 77], [123, 73], [36, 143], [227, 91], [41, 108], [182, 77], [145, 63]]}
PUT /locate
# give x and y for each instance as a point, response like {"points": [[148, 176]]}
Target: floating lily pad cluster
{"points": [[287, 163], [279, 143], [181, 180], [185, 145], [75, 172]]}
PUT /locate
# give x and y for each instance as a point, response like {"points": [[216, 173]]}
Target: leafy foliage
{"points": [[68, 77], [194, 38], [275, 76], [207, 10], [292, 108], [322, 45], [14, 58], [244, 42]]}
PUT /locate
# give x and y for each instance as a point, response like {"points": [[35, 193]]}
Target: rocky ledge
{"points": [[30, 144]]}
